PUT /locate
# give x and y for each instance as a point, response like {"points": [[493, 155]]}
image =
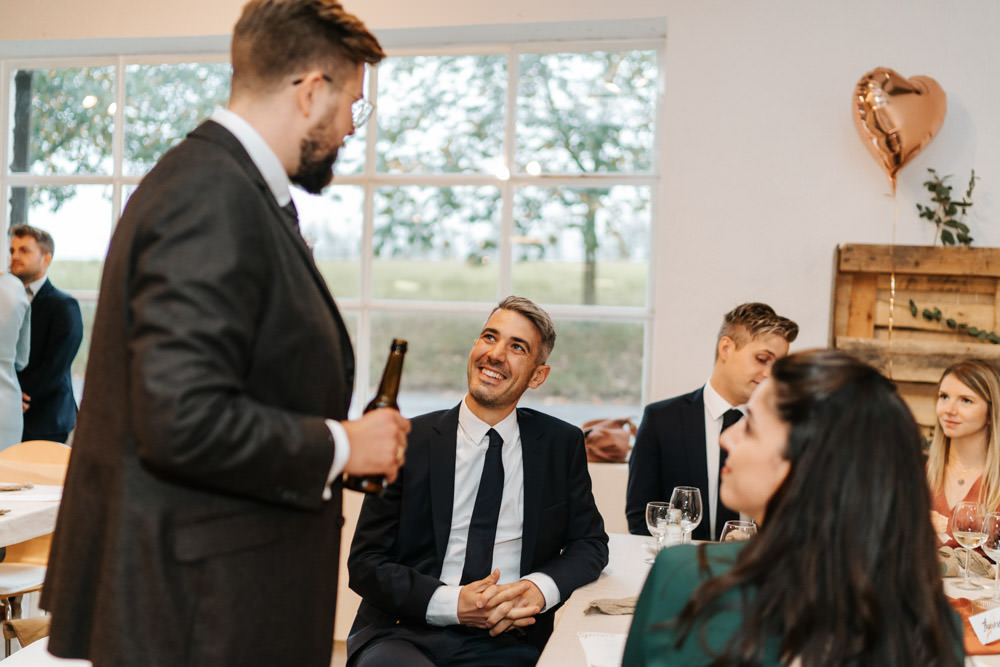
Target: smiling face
{"points": [[961, 412], [756, 466], [739, 370], [503, 364]]}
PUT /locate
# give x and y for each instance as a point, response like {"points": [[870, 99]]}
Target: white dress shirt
{"points": [[470, 457], [268, 164], [715, 408], [35, 286]]}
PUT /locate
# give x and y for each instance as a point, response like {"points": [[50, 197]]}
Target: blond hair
{"points": [[983, 379]]}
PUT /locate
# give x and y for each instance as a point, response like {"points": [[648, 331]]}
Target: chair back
{"points": [[35, 461]]}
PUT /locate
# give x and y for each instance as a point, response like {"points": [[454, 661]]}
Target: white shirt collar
{"points": [[476, 429], [716, 405], [265, 159], [37, 285]]}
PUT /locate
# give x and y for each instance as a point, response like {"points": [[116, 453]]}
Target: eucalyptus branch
{"points": [[936, 315]]}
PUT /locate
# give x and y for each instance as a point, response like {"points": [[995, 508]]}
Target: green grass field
{"points": [[592, 362]]}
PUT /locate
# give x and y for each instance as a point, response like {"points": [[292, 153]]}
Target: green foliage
{"points": [[947, 214], [936, 315]]}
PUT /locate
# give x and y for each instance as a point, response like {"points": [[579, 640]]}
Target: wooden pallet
{"points": [[962, 283]]}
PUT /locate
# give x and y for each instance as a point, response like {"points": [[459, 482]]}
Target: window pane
{"points": [[88, 309], [582, 245], [61, 120], [331, 226], [434, 373], [441, 114], [436, 244], [586, 112], [165, 102], [79, 219], [596, 372]]}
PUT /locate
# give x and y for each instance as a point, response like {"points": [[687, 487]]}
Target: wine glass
{"points": [[991, 527], [967, 528], [738, 531], [687, 499], [657, 517]]}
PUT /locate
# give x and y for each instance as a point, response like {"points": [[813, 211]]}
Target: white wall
{"points": [[763, 172]]}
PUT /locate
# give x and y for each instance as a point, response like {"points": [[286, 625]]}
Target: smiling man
{"points": [[678, 440], [491, 524]]}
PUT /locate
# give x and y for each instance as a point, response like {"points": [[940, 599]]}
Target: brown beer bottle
{"points": [[385, 397]]}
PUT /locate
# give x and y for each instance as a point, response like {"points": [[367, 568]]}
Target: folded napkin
{"points": [[15, 486], [611, 607], [26, 630], [972, 644], [952, 563]]}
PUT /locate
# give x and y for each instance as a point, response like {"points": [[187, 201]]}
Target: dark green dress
{"points": [[671, 581]]}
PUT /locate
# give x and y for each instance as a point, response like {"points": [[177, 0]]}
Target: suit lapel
{"points": [[694, 432], [533, 459], [441, 473], [215, 133]]}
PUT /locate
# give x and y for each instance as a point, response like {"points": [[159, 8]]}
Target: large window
{"points": [[526, 169]]}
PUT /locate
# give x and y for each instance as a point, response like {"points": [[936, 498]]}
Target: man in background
{"points": [[200, 521], [56, 332], [678, 440], [490, 525]]}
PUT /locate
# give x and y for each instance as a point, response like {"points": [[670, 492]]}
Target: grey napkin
{"points": [[952, 563], [612, 607]]}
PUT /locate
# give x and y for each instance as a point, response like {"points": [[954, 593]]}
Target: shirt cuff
{"points": [[341, 453], [547, 586], [443, 607]]}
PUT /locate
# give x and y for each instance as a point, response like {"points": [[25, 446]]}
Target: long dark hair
{"points": [[844, 570]]}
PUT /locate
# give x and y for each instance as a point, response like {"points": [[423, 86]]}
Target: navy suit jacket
{"points": [[669, 451], [56, 332], [400, 541]]}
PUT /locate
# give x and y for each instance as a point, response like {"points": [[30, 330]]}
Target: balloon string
{"points": [[892, 275]]}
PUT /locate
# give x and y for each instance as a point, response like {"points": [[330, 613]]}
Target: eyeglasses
{"points": [[361, 110]]}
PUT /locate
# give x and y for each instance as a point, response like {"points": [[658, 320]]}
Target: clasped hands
{"points": [[499, 607]]}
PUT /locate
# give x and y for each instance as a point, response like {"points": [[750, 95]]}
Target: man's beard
{"points": [[315, 170]]}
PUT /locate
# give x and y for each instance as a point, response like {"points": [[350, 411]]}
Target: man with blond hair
{"points": [[200, 522], [678, 440]]}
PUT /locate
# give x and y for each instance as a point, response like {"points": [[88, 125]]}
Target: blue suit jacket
{"points": [[669, 451], [400, 541], [56, 332]]}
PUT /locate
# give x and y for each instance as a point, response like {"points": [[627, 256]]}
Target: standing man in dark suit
{"points": [[56, 332], [678, 440], [200, 522], [490, 525]]}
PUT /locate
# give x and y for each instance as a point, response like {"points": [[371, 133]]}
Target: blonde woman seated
{"points": [[962, 464], [844, 570]]}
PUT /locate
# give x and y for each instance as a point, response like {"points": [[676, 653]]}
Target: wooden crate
{"points": [[963, 283]]}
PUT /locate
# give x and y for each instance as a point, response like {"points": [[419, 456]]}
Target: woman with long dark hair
{"points": [[844, 569]]}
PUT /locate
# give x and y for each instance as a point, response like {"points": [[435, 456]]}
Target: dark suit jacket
{"points": [[669, 451], [56, 332], [399, 544], [192, 529]]}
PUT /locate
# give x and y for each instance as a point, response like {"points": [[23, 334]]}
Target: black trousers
{"points": [[452, 646]]}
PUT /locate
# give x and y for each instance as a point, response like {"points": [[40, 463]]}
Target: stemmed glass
{"points": [[991, 527], [967, 528], [738, 531], [687, 499], [657, 518]]}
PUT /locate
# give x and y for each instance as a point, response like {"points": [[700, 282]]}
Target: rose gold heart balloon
{"points": [[896, 117]]}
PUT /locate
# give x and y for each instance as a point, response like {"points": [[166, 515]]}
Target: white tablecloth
{"points": [[32, 513]]}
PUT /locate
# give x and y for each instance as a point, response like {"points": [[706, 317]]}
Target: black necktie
{"points": [[483, 527], [290, 209], [723, 513]]}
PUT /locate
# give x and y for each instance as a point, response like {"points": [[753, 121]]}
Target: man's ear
{"points": [[305, 92], [726, 347], [47, 259], [538, 376]]}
